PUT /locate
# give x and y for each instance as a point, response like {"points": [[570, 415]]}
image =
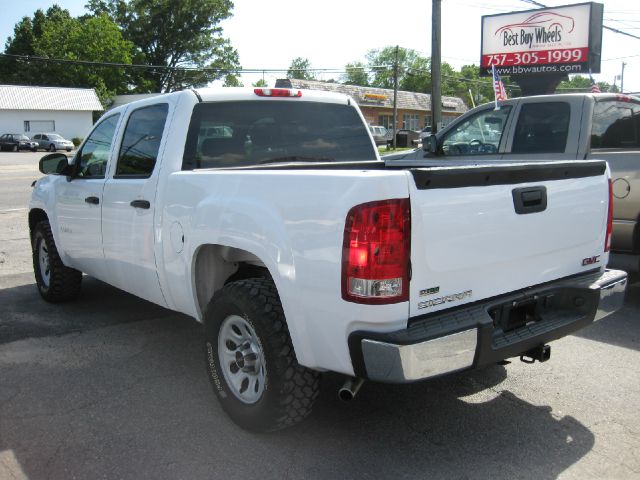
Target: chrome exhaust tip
{"points": [[350, 389]]}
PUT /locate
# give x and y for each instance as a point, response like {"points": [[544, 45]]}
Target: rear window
{"points": [[231, 134]]}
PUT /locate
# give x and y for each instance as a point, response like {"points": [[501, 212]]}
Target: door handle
{"points": [[529, 199], [141, 204], [92, 200]]}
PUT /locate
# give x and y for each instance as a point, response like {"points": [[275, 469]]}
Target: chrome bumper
{"points": [[386, 361], [612, 285], [407, 363]]}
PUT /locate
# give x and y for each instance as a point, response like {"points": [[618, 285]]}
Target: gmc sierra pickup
{"points": [[267, 215], [577, 126]]}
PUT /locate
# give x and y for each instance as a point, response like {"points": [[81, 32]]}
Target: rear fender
{"points": [[253, 234]]}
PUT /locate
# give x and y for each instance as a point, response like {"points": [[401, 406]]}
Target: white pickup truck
{"points": [[267, 215]]}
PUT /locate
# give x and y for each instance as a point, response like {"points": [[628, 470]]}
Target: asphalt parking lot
{"points": [[111, 386]]}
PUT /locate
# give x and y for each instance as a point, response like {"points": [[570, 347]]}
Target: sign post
{"points": [[539, 48]]}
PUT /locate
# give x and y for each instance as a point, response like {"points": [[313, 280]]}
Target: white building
{"points": [[30, 110]]}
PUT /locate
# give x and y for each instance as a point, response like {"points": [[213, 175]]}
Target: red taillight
{"points": [[277, 92], [376, 252], [607, 241]]}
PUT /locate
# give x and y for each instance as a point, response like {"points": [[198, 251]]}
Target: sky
{"points": [[333, 33]]}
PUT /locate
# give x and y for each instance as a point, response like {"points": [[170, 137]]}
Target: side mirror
{"points": [[55, 164], [431, 145]]}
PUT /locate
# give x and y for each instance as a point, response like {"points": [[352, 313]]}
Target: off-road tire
{"points": [[64, 283], [290, 389]]}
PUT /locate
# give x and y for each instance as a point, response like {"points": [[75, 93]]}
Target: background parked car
{"points": [[17, 141], [53, 142], [381, 135]]}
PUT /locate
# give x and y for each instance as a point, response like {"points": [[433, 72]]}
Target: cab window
{"points": [[94, 156], [477, 135], [616, 125]]}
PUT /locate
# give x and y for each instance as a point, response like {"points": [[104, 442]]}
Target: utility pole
{"points": [[436, 79], [395, 98], [622, 78]]}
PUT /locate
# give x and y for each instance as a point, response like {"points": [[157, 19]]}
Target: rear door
{"points": [[478, 232], [545, 129], [130, 203]]}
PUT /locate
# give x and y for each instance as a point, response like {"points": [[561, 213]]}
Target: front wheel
{"points": [[250, 358], [52, 148], [56, 282], [14, 148]]}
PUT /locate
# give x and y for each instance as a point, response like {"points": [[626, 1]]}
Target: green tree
{"points": [[578, 83], [174, 35], [481, 87], [261, 83], [55, 34], [413, 71], [355, 74], [418, 76], [299, 69], [231, 80]]}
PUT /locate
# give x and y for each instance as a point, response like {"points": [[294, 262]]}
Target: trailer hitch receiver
{"points": [[541, 353]]}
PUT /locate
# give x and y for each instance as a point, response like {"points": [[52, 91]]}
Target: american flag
{"points": [[498, 86], [594, 86]]}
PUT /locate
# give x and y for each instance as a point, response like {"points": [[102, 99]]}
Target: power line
{"points": [[619, 58], [533, 2], [33, 58]]}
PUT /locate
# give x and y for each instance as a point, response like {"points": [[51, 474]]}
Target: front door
{"points": [[129, 205], [79, 201]]}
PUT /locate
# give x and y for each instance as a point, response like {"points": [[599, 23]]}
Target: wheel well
{"points": [[216, 265], [36, 215]]}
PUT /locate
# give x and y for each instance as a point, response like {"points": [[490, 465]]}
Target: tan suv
{"points": [[615, 137]]}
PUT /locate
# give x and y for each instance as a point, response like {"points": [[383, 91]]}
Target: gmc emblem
{"points": [[590, 260]]}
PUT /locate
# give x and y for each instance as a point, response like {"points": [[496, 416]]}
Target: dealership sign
{"points": [[562, 40]]}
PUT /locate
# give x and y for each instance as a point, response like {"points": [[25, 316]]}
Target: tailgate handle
{"points": [[529, 199]]}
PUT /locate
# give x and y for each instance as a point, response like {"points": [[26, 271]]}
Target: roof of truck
{"points": [[243, 93]]}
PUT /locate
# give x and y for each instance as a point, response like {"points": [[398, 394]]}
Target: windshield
{"points": [[230, 134], [54, 136], [22, 137]]}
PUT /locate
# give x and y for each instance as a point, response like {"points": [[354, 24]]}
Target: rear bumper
{"points": [[488, 331]]}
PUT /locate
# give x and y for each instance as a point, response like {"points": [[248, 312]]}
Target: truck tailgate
{"points": [[478, 232]]}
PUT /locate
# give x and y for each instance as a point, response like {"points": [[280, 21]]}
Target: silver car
{"points": [[52, 142]]}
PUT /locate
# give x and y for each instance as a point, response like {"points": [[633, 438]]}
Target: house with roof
{"points": [[376, 104], [30, 110]]}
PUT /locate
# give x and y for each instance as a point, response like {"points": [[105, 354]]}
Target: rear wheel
{"points": [[56, 282], [250, 358]]}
